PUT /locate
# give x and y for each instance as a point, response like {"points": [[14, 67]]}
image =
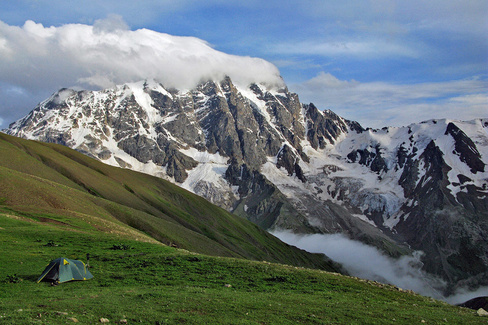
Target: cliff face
{"points": [[262, 154]]}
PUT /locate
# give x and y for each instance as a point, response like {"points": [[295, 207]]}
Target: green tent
{"points": [[63, 269]]}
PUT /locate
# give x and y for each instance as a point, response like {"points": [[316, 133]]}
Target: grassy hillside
{"points": [[55, 202], [140, 281], [54, 184]]}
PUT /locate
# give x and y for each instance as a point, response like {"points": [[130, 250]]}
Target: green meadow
{"points": [[137, 281], [161, 255]]}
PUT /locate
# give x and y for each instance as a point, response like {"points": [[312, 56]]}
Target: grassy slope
{"points": [[55, 202], [151, 283], [51, 182]]}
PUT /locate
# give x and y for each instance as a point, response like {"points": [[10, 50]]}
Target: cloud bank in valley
{"points": [[34, 58], [368, 262]]}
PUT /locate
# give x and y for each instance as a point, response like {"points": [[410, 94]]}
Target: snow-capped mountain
{"points": [[259, 152]]}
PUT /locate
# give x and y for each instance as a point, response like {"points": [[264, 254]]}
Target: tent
{"points": [[63, 269]]}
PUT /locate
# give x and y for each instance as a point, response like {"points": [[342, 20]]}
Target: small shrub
{"points": [[120, 247], [146, 263], [162, 322], [12, 279], [51, 243], [277, 279], [117, 277], [169, 260]]}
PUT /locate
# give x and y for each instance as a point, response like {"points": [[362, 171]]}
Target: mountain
{"points": [[258, 152], [55, 185]]}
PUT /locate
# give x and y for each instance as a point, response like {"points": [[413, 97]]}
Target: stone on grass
{"points": [[482, 312]]}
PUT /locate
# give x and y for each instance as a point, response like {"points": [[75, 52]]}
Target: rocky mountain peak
{"points": [[260, 153]]}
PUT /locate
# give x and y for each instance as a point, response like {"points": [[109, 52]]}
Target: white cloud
{"points": [[378, 104], [107, 53], [327, 80], [110, 24], [368, 262], [463, 295], [373, 48], [405, 39], [446, 15]]}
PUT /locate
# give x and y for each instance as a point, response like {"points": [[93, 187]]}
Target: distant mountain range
{"points": [[258, 152]]}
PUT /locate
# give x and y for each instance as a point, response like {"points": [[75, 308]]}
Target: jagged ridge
{"points": [[262, 154]]}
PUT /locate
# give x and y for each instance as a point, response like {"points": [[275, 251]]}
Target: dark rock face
{"points": [[325, 127], [371, 159], [449, 233], [265, 156], [263, 203], [287, 159], [465, 148]]}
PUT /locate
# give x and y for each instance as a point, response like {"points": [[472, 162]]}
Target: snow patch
{"points": [[205, 156]]}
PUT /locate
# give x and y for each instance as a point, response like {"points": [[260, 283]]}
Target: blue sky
{"points": [[379, 62]]}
